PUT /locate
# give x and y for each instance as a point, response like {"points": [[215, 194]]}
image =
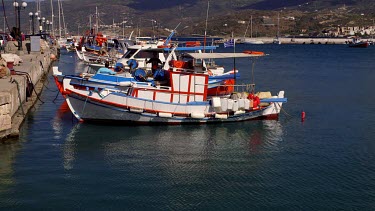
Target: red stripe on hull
{"points": [[59, 85], [268, 117]]}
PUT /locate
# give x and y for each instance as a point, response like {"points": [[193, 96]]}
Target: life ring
{"points": [[178, 64], [254, 52], [132, 63]]}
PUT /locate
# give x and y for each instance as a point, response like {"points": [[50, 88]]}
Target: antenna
{"points": [[205, 31]]}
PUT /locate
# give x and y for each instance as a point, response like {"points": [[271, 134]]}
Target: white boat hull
{"points": [[79, 54], [253, 42], [118, 108]]}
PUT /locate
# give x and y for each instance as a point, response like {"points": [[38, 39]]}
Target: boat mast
{"points": [[58, 4], [123, 28], [52, 16], [63, 18], [278, 25], [234, 58], [90, 23], [130, 36], [97, 20], [38, 7], [251, 26], [247, 27], [205, 31]]}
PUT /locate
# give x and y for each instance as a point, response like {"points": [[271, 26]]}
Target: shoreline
{"points": [[289, 40]]}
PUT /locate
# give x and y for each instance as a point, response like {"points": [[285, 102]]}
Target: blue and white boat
{"points": [[141, 70], [183, 100]]}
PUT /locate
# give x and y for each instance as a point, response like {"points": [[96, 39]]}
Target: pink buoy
{"points": [[303, 115]]}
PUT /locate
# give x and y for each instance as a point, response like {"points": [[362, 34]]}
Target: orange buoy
{"points": [[303, 115]]}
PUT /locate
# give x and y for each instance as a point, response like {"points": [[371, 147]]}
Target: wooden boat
{"points": [[183, 100], [357, 43], [134, 61], [276, 41], [217, 77], [361, 44]]}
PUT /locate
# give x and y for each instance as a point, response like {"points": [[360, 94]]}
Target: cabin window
{"points": [[129, 53], [145, 54]]}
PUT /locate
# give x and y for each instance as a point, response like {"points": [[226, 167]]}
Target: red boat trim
{"points": [[59, 84]]}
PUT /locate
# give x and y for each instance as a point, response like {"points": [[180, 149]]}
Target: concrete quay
{"points": [[313, 40], [15, 99], [308, 40]]}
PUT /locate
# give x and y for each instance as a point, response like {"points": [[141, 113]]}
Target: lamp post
{"points": [[18, 8], [40, 25], [51, 28], [44, 23], [32, 20], [36, 15], [30, 15], [43, 27], [47, 29]]}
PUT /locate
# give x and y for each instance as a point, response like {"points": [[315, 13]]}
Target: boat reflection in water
{"points": [[64, 123], [171, 146], [62, 114], [8, 153], [269, 137], [171, 164]]}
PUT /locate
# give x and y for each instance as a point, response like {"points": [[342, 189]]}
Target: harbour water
{"points": [[325, 162]]}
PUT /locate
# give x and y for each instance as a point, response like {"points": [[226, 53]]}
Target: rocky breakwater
{"points": [[21, 73]]}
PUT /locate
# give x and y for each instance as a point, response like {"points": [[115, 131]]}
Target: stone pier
{"points": [[16, 95]]}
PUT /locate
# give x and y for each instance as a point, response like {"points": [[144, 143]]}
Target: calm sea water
{"points": [[326, 162]]}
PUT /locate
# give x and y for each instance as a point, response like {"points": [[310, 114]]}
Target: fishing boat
{"points": [[251, 40], [277, 40], [136, 70], [92, 57], [79, 53], [183, 100], [357, 43]]}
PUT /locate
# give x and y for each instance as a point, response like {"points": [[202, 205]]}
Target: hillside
{"points": [[152, 17]]}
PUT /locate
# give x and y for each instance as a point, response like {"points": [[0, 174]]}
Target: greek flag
{"points": [[229, 43]]}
